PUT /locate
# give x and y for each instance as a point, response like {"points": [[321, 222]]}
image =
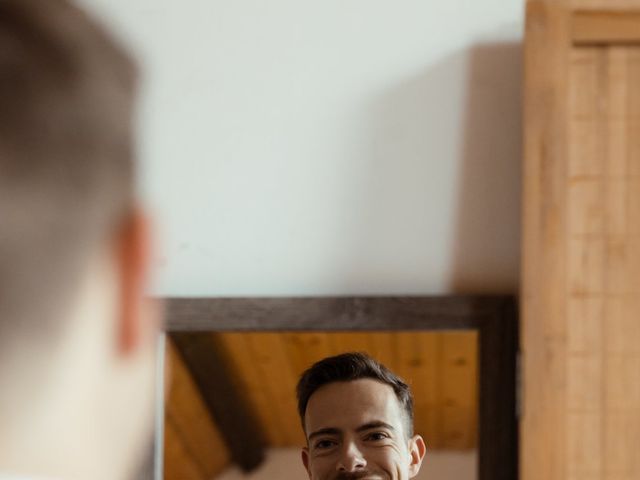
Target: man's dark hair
{"points": [[66, 156], [348, 367]]}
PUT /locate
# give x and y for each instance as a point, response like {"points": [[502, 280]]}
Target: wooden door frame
{"points": [[494, 317]]}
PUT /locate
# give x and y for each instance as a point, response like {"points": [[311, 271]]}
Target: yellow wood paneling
{"points": [[179, 464], [239, 350], [441, 369], [304, 350], [350, 342], [192, 441], [603, 274], [608, 27], [581, 272], [269, 355], [543, 446], [605, 5], [459, 390], [434, 364], [418, 362], [383, 347]]}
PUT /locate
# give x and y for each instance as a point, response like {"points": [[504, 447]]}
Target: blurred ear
{"points": [[138, 318], [417, 450], [305, 460]]}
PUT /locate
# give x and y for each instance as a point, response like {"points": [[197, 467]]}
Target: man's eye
{"points": [[324, 444], [376, 436]]}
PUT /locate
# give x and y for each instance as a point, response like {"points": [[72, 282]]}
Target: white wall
{"points": [[330, 147]]}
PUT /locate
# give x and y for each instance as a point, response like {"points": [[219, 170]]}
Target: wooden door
{"points": [[581, 252]]}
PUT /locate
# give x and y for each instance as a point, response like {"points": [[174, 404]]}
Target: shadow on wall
{"points": [[441, 198], [486, 253]]}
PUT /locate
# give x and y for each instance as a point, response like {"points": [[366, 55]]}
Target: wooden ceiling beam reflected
{"points": [[219, 391]]}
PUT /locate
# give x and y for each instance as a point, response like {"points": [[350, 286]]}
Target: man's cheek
{"points": [[321, 468]]}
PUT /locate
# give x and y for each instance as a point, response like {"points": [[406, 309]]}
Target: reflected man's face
{"points": [[355, 430]]}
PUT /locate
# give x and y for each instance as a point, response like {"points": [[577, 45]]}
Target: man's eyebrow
{"points": [[374, 424], [325, 431]]}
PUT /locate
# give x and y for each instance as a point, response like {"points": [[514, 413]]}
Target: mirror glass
{"points": [[259, 374]]}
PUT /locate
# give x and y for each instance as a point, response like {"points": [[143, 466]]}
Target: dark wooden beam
{"points": [[331, 313], [230, 411], [498, 409]]}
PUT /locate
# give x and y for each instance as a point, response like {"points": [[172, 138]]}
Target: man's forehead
{"points": [[347, 405]]}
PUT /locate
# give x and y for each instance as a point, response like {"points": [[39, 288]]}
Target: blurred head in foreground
{"points": [[358, 420], [76, 335]]}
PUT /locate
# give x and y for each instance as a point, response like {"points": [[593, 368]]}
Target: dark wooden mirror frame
{"points": [[494, 317]]}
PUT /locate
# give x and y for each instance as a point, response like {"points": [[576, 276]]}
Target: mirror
{"points": [[231, 411], [262, 370]]}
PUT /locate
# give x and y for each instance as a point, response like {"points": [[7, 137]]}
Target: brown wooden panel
{"points": [[383, 347], [543, 287], [459, 397], [226, 403], [606, 27], [237, 348], [191, 437], [417, 361], [416, 356], [350, 342], [179, 463], [581, 276], [609, 5], [604, 278], [449, 312], [304, 350], [272, 363]]}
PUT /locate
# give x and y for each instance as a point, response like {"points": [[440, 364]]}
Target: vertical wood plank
{"points": [[581, 357], [418, 363], [279, 381], [416, 356], [606, 5], [459, 389], [383, 348], [619, 357], [543, 292], [304, 349], [350, 342]]}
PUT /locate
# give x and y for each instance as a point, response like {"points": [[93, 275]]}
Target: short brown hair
{"points": [[66, 153], [348, 367]]}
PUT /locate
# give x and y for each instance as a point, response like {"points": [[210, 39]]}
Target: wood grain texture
{"points": [[581, 276], [330, 313], [440, 367], [543, 453], [418, 359], [603, 420], [238, 348], [499, 411], [193, 448], [594, 27], [219, 391], [459, 397], [606, 5], [179, 463]]}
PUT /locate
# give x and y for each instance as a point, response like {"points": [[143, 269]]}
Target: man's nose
{"points": [[351, 458]]}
